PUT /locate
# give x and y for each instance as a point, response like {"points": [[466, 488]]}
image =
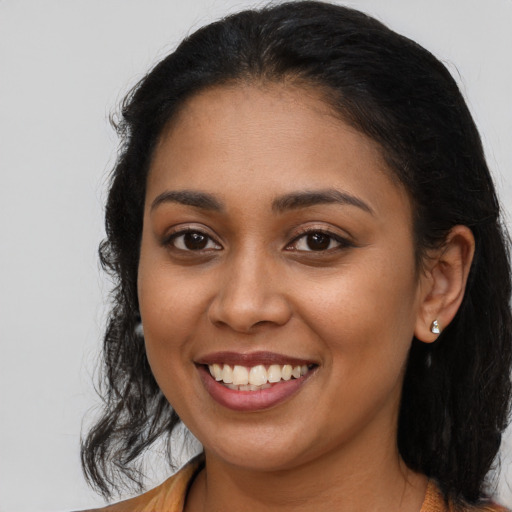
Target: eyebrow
{"points": [[292, 201], [189, 198], [308, 198]]}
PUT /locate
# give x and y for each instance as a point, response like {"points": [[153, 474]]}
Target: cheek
{"points": [[168, 297], [172, 305], [365, 322], [168, 319], [160, 322], [367, 309]]}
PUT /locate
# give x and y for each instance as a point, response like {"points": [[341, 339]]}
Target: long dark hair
{"points": [[456, 393]]}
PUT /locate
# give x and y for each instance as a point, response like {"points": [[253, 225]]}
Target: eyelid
{"points": [[182, 229], [343, 241]]}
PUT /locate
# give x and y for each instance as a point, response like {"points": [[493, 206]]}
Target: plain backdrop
{"points": [[64, 66]]}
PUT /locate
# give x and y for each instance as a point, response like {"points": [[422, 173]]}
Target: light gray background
{"points": [[64, 65]]}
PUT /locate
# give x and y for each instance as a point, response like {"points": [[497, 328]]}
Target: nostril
{"points": [[262, 323]]}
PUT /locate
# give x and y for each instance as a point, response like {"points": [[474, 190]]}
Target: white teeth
{"points": [[257, 377], [274, 373], [217, 371], [245, 387], [227, 374], [286, 372], [240, 375]]}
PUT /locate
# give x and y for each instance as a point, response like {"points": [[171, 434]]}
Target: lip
{"points": [[247, 401], [251, 359]]}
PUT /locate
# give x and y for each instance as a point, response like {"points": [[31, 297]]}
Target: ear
{"points": [[443, 282]]}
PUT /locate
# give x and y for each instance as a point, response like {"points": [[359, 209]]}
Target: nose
{"points": [[250, 295]]}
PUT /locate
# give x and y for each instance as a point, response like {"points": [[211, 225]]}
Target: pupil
{"points": [[318, 241], [195, 241]]}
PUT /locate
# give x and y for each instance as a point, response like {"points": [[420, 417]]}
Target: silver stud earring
{"points": [[139, 329], [434, 328]]}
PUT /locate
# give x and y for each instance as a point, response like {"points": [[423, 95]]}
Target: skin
{"points": [[351, 308]]}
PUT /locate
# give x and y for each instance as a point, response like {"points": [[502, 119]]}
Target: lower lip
{"points": [[251, 400]]}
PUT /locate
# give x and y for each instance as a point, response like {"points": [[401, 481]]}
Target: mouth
{"points": [[252, 382], [256, 378]]}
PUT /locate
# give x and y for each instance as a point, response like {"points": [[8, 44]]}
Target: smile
{"points": [[255, 378], [253, 382]]}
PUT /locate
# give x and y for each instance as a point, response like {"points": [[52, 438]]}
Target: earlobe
{"points": [[444, 283]]}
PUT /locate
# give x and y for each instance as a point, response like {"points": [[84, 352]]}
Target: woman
{"points": [[311, 272]]}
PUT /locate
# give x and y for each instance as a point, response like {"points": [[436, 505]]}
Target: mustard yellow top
{"points": [[170, 496]]}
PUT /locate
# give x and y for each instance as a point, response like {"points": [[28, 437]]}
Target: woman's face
{"points": [[275, 242]]}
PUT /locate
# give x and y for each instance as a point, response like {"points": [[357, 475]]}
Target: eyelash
{"points": [[341, 242], [171, 240]]}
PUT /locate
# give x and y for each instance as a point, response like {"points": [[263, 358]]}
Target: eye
{"points": [[317, 241], [192, 241]]}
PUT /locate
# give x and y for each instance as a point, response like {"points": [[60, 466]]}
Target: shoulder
{"points": [[486, 507], [492, 507], [170, 495], [436, 502]]}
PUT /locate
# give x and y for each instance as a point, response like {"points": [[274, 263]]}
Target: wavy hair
{"points": [[456, 392]]}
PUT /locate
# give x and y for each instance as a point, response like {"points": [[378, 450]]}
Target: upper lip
{"points": [[251, 359]]}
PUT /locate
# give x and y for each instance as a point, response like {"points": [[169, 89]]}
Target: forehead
{"points": [[228, 138]]}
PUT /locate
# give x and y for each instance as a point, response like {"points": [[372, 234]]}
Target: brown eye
{"points": [[318, 241], [193, 241]]}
